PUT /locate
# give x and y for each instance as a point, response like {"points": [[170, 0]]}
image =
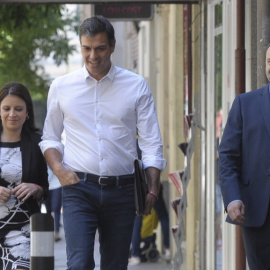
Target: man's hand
{"points": [[236, 211], [149, 204], [66, 176]]}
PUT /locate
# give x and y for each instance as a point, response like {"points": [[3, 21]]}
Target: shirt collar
{"points": [[110, 75]]}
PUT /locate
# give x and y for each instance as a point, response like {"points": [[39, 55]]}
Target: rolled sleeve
{"points": [[150, 141], [157, 163], [46, 144], [53, 126]]}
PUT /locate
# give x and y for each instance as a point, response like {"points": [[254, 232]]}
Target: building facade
{"points": [[196, 59]]}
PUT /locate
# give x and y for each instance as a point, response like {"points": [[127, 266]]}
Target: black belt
{"points": [[107, 180]]}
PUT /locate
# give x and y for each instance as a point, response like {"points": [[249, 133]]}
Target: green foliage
{"points": [[28, 33]]}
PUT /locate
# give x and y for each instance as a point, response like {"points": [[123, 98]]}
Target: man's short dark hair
{"points": [[95, 25]]}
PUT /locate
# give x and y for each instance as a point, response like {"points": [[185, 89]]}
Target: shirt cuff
{"points": [[233, 202]]}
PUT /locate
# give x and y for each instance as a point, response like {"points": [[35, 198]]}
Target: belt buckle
{"points": [[100, 178]]}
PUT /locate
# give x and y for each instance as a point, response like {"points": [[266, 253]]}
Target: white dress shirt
{"points": [[101, 120], [54, 182]]}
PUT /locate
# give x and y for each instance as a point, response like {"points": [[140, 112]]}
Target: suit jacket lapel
{"points": [[264, 99]]}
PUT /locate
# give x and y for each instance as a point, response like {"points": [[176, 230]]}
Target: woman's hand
{"points": [[26, 190], [5, 194]]}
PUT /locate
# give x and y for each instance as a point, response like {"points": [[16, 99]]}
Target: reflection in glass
{"points": [[218, 15], [218, 110]]}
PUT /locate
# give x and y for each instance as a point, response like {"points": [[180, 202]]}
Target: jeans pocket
{"points": [[70, 185]]}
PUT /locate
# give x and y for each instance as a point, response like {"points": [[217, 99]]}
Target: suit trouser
{"points": [[257, 245]]}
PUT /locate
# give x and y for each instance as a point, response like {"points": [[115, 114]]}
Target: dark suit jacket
{"points": [[34, 166], [244, 155]]}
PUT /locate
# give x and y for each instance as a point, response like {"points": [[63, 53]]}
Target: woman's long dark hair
{"points": [[19, 90]]}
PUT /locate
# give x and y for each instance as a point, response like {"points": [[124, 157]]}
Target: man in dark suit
{"points": [[244, 171]]}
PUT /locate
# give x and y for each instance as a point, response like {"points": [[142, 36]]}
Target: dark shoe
{"points": [[57, 237]]}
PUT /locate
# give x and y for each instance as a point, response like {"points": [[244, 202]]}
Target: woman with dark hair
{"points": [[23, 175]]}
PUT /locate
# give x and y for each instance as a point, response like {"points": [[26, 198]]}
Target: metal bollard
{"points": [[42, 242]]}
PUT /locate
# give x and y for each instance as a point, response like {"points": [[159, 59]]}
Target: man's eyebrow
{"points": [[100, 46]]}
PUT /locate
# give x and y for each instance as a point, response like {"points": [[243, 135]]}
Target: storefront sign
{"points": [[125, 11]]}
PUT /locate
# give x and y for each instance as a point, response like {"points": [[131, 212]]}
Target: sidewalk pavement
{"points": [[60, 258]]}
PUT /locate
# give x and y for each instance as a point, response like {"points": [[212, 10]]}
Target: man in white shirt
{"points": [[101, 107]]}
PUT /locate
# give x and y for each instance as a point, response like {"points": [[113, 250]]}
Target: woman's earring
{"points": [[27, 117]]}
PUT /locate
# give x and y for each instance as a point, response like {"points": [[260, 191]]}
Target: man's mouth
{"points": [[93, 63]]}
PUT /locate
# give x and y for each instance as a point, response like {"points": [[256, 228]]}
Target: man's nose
{"points": [[93, 54]]}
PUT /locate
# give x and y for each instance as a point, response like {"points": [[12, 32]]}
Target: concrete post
{"points": [[42, 242]]}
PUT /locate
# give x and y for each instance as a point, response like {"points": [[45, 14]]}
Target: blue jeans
{"points": [[54, 204], [136, 237], [87, 206], [163, 217]]}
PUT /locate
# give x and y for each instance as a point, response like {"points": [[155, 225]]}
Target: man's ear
{"points": [[113, 47]]}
